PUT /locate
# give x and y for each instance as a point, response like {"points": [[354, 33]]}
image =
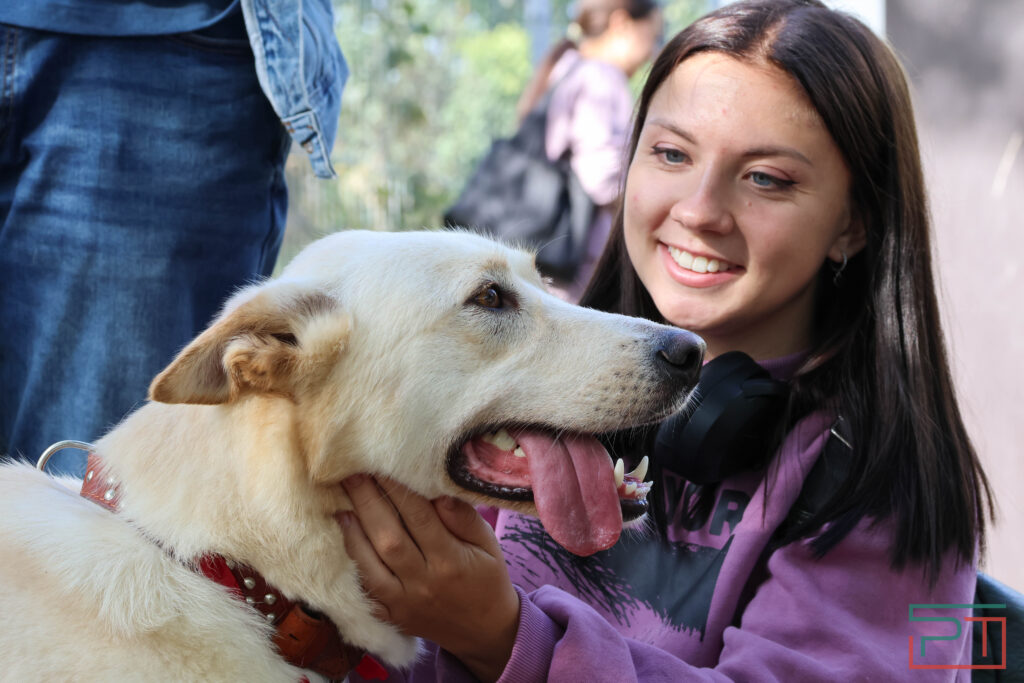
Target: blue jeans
{"points": [[141, 182]]}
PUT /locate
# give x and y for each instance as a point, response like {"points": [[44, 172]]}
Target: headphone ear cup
{"points": [[731, 428]]}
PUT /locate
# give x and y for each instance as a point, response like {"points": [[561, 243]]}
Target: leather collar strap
{"points": [[305, 638]]}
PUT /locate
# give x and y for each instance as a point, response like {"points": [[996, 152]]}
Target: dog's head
{"points": [[439, 360]]}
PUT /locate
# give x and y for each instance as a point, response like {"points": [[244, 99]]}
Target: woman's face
{"points": [[734, 199]]}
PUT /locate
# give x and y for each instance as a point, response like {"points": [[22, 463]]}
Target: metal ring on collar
{"points": [[59, 446]]}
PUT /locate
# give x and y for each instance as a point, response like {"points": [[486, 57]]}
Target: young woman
{"points": [[775, 205], [588, 115]]}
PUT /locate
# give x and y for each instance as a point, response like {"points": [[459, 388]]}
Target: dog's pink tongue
{"points": [[574, 490]]}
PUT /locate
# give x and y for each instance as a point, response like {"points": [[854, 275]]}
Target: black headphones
{"points": [[732, 426]]}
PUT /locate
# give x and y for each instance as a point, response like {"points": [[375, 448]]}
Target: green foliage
{"points": [[681, 13], [431, 83], [490, 72]]}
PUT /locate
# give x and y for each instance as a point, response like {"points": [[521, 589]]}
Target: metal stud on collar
{"points": [[59, 446]]}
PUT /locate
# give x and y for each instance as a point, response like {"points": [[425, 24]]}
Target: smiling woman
{"points": [[735, 197], [774, 204]]}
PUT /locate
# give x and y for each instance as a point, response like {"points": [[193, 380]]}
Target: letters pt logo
{"points": [[983, 623]]}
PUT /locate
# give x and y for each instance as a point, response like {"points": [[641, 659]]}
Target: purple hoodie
{"points": [[652, 609]]}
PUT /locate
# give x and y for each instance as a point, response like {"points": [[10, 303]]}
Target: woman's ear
{"points": [[850, 241]]}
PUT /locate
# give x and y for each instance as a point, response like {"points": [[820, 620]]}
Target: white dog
{"points": [[433, 358]]}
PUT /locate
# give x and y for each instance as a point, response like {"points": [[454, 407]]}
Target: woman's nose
{"points": [[704, 203]]}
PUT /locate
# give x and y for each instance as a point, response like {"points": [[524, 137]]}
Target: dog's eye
{"points": [[489, 297]]}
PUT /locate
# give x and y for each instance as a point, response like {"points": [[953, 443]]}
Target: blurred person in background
{"points": [[142, 151], [591, 105]]}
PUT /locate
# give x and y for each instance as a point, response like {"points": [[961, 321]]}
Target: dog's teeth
{"points": [[620, 469], [630, 488], [643, 489], [518, 452], [641, 470], [501, 438]]}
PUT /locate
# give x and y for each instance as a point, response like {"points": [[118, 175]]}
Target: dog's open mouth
{"points": [[581, 499]]}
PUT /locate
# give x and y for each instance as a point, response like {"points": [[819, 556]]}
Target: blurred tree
{"points": [[432, 82]]}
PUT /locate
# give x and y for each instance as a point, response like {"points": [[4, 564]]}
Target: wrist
{"points": [[486, 653]]}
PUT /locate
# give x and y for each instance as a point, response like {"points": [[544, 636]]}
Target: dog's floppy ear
{"points": [[268, 340]]}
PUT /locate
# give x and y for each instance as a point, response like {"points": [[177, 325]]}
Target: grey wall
{"points": [[965, 59]]}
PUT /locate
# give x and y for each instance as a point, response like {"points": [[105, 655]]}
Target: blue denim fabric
{"points": [[115, 17], [302, 70], [299, 63], [141, 182]]}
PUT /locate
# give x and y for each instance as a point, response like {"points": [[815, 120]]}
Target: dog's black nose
{"points": [[680, 354]]}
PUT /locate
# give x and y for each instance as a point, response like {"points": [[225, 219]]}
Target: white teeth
{"points": [[698, 264], [518, 452], [630, 488], [502, 439], [683, 258], [620, 469], [641, 470]]}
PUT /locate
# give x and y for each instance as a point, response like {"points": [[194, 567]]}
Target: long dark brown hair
{"points": [[878, 353], [592, 18]]}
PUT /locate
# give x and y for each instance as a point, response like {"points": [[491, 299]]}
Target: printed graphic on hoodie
{"points": [[647, 581]]}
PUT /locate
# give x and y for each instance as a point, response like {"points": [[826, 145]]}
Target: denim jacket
{"points": [[301, 69], [298, 60]]}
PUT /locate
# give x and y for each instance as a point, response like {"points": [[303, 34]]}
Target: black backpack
{"points": [[518, 195]]}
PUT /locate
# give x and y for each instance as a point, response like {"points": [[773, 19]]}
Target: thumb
{"points": [[464, 522]]}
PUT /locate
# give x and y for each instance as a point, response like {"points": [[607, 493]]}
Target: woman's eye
{"points": [[672, 156], [768, 181], [489, 297]]}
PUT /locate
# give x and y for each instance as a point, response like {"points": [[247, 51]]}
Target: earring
{"points": [[838, 268]]}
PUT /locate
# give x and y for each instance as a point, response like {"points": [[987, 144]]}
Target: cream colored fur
{"points": [[369, 354]]}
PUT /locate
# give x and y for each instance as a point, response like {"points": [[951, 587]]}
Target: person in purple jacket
{"points": [[774, 204]]}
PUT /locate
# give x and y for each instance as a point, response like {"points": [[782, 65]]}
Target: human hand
{"points": [[435, 570]]}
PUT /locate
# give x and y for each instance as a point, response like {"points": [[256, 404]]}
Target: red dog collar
{"points": [[305, 638]]}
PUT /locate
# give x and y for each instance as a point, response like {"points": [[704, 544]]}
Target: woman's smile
{"points": [[736, 196], [698, 270]]}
